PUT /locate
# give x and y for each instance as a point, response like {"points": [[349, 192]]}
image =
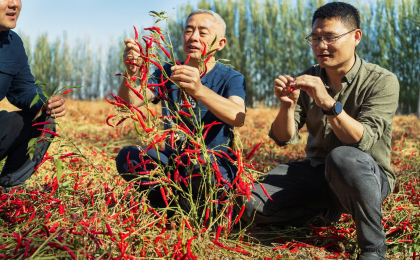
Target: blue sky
{"points": [[100, 20]]}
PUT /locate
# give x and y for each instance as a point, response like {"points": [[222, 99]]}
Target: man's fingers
{"points": [[184, 68], [181, 77], [279, 83], [56, 109], [289, 78], [59, 114], [56, 101]]}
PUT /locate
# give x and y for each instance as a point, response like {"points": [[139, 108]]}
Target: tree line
{"points": [[265, 39]]}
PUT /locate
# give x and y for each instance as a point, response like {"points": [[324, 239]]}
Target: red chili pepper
{"points": [[184, 113], [172, 139], [150, 111], [157, 64], [219, 230], [42, 123], [67, 91], [253, 151], [204, 49], [240, 214], [164, 196], [265, 191], [19, 244], [134, 90], [132, 63], [107, 120], [136, 35], [188, 59], [154, 212], [189, 253], [47, 131], [189, 225], [165, 51], [122, 120]]}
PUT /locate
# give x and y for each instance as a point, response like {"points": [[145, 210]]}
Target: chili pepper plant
{"points": [[211, 209]]}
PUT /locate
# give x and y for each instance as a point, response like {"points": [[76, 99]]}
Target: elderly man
{"points": [[219, 95], [18, 85], [348, 106]]}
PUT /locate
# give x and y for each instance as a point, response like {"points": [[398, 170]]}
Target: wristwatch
{"points": [[335, 110]]}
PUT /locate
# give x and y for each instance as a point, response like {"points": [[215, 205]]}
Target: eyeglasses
{"points": [[314, 41]]}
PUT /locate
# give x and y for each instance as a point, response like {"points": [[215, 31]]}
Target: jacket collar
{"points": [[3, 35]]}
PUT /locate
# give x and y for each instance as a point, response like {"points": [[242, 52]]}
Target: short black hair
{"points": [[348, 14]]}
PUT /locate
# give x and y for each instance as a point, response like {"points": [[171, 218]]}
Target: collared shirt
{"points": [[16, 80], [369, 94]]}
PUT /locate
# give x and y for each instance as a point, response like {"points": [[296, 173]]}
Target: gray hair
{"points": [[216, 16]]}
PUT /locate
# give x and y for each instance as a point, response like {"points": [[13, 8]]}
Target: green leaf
{"points": [[32, 142], [69, 189], [31, 153], [158, 20], [46, 95], [66, 184], [39, 83], [35, 100], [155, 13], [74, 87], [37, 115], [31, 148], [213, 41]]}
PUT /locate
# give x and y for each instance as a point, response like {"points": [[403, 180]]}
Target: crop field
{"points": [[76, 206]]}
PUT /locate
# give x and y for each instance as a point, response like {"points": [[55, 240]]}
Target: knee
{"points": [[347, 164]]}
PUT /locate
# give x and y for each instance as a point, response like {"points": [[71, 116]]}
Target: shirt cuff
{"points": [[293, 140], [366, 141]]}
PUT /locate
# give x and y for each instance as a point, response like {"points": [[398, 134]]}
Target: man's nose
{"points": [[324, 45], [13, 4], [195, 36]]}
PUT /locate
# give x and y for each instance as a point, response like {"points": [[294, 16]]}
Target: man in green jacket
{"points": [[348, 106]]}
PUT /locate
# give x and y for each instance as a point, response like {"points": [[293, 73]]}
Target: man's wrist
{"points": [[329, 105]]}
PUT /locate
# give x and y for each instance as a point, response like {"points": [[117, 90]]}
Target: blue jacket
{"points": [[16, 80]]}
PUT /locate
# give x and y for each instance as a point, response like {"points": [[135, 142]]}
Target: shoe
{"points": [[378, 255]]}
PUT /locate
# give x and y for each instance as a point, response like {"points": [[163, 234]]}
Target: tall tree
{"points": [[42, 61]]}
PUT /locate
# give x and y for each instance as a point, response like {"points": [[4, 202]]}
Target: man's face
{"points": [[9, 13], [339, 53], [200, 28]]}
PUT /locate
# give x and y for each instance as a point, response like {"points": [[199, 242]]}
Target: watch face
{"points": [[338, 108]]}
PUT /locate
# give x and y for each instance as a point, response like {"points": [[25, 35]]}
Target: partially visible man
{"points": [[348, 106], [219, 95], [18, 85]]}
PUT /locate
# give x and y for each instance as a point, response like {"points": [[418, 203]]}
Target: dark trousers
{"points": [[15, 132], [165, 159], [349, 182]]}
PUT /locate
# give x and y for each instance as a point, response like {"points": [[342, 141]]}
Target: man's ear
{"points": [[221, 43], [357, 37]]}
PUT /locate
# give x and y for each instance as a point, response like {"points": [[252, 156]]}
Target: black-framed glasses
{"points": [[314, 41]]}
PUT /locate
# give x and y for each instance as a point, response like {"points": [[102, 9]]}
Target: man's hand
{"points": [[316, 89], [57, 103], [188, 78], [283, 91], [131, 54]]}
